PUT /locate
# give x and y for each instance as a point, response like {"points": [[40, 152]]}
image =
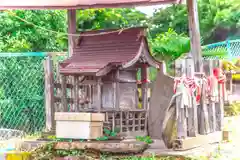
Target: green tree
{"points": [[19, 36], [93, 19], [219, 19]]}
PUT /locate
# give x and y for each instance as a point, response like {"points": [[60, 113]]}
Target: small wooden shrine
{"points": [[108, 67]]}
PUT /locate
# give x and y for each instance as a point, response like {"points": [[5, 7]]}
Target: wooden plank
{"points": [[113, 121], [121, 121], [212, 111], [49, 94], [194, 32], [229, 82], [181, 119], [220, 105], [204, 118], [180, 108], [220, 110], [134, 120], [64, 93], [139, 121], [70, 86], [71, 13], [192, 120]]}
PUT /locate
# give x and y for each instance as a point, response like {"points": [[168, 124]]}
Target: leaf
{"points": [[104, 138], [113, 134], [106, 131]]}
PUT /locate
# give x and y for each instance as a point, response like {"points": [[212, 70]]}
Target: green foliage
{"points": [[93, 19], [219, 19], [146, 139], [108, 133], [170, 45], [174, 16], [19, 36]]}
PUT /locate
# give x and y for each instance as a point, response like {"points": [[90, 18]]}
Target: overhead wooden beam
{"points": [[72, 28], [194, 33]]}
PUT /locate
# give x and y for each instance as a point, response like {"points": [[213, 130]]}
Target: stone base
{"points": [[104, 146]]}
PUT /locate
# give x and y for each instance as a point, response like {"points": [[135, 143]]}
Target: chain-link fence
{"points": [[231, 48], [21, 94]]}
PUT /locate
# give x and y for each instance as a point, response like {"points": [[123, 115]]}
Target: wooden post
{"points": [[64, 93], [72, 28], [49, 94], [195, 34], [99, 94], [75, 94], [117, 102]]}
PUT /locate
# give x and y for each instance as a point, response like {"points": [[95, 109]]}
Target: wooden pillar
{"points": [[117, 91], [63, 81], [99, 94], [144, 86], [72, 28], [195, 34], [49, 94], [75, 94]]}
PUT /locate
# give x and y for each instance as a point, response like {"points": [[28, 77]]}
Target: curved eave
{"points": [[150, 59], [136, 58], [79, 4], [143, 51]]}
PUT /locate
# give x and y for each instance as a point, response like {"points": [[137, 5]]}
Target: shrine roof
{"points": [[78, 4], [103, 50]]}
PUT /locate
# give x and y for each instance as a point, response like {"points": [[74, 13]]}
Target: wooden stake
{"points": [[192, 120]]}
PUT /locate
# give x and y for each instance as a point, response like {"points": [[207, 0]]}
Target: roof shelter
{"points": [[99, 54]]}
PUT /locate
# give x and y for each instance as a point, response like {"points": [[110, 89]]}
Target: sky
{"points": [[150, 9]]}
